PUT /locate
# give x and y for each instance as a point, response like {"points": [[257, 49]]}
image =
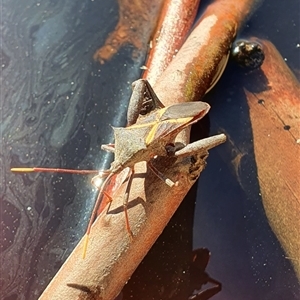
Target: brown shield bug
{"points": [[151, 131]]}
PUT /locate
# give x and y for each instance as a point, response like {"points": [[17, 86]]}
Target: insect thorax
{"points": [[131, 148]]}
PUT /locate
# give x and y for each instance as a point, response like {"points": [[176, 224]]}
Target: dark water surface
{"points": [[56, 109], [229, 218]]}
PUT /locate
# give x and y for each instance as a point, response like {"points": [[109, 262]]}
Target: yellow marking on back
{"points": [[142, 125], [151, 135], [155, 124]]}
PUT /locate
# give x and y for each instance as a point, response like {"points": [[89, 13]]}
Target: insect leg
{"points": [[161, 176], [125, 202], [94, 213], [108, 148], [201, 146]]}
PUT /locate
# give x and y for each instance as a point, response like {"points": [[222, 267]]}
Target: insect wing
{"points": [[195, 110], [172, 119]]}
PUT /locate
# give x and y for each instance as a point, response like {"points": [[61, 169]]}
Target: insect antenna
{"points": [[94, 212], [54, 170]]}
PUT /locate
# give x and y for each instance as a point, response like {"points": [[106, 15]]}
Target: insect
{"points": [[151, 131]]}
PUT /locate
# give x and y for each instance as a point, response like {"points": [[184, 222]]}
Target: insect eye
{"points": [[170, 149], [147, 107]]}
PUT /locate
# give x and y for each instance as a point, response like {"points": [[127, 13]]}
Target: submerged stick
{"points": [[275, 120]]}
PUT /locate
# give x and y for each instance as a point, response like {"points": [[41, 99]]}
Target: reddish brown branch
{"points": [[175, 22], [275, 120], [205, 52]]}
